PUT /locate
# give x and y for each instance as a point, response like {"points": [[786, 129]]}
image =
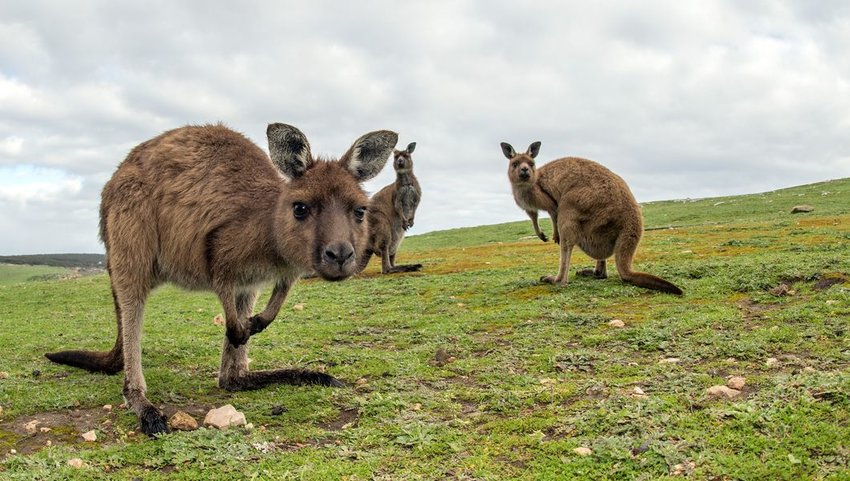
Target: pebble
{"points": [[182, 421], [30, 427], [736, 382], [44, 430], [4, 374], [638, 392], [670, 360], [218, 320], [771, 362], [683, 468], [722, 391], [1, 411], [75, 463], [224, 417], [616, 323], [807, 369], [13, 451], [298, 307], [90, 436], [583, 451], [107, 407]]}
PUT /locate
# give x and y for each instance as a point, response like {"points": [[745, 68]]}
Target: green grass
{"points": [[13, 274], [537, 370]]}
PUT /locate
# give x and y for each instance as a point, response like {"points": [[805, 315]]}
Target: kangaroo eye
{"points": [[300, 210], [514, 164], [359, 213]]}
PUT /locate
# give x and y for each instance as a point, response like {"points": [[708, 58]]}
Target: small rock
{"points": [[722, 391], [362, 381], [1, 411], [44, 430], [616, 323], [249, 426], [771, 362], [224, 417], [30, 427], [583, 451], [460, 304], [782, 290], [298, 307], [683, 468], [90, 436], [670, 360], [638, 392], [48, 443], [75, 463], [278, 410], [182, 421], [831, 302], [809, 369], [736, 382], [13, 451], [800, 209], [4, 374], [107, 407], [416, 407], [218, 320]]}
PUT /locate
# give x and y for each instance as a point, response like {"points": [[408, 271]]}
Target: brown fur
{"points": [[391, 212], [590, 207], [205, 208]]}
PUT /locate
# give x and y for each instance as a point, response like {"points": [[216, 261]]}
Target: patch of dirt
{"points": [[754, 310], [826, 282], [345, 419]]}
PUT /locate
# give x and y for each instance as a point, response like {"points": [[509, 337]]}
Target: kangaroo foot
{"points": [[553, 280], [153, 422], [592, 273], [404, 268]]}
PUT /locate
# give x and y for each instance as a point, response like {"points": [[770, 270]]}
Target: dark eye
{"points": [[514, 164], [359, 213], [300, 210]]}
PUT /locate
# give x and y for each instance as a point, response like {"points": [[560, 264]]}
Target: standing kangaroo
{"points": [[391, 211], [590, 206], [205, 208]]}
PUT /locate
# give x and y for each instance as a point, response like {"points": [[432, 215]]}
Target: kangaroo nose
{"points": [[524, 170], [339, 252]]}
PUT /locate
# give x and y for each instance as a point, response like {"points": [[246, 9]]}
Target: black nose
{"points": [[524, 170], [339, 253]]}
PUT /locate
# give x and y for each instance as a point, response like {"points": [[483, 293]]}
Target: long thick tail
{"points": [[649, 281]]}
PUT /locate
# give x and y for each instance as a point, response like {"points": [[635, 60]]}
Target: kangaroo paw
{"points": [[153, 422]]}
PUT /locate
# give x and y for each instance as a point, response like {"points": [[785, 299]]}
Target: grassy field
{"points": [[13, 274], [533, 371]]}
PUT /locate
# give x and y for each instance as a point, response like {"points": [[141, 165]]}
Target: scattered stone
{"points": [[30, 427], [460, 304], [75, 463], [48, 443], [583, 451], [90, 436], [249, 426], [218, 320], [809, 369], [683, 468], [736, 382], [44, 430], [417, 406], [107, 407], [638, 392], [831, 302], [616, 323], [182, 421], [802, 208], [4, 374], [720, 391], [670, 360], [298, 307], [13, 451], [362, 381], [278, 410], [771, 362], [224, 417], [782, 290]]}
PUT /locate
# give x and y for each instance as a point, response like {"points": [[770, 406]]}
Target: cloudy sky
{"points": [[681, 98]]}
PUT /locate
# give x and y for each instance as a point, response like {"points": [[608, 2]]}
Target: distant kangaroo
{"points": [[205, 208], [590, 206], [391, 211]]}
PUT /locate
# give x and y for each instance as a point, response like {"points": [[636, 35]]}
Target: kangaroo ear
{"points": [[289, 150], [533, 149], [410, 147], [368, 155], [508, 150]]}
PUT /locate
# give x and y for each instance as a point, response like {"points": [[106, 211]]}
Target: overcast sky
{"points": [[681, 98]]}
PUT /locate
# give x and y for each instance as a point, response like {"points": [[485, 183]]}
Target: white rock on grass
{"points": [[670, 360], [720, 391], [32, 426], [771, 362], [224, 417], [75, 463], [638, 392], [736, 382], [616, 323], [182, 421], [90, 436], [583, 451], [4, 374]]}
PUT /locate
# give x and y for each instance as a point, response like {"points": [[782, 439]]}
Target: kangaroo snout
{"points": [[338, 260]]}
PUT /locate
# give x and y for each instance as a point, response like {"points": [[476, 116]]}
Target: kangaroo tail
{"points": [[93, 361], [648, 281]]}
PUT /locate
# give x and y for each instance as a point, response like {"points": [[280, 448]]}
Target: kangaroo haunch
{"points": [[205, 208], [391, 212], [590, 207]]}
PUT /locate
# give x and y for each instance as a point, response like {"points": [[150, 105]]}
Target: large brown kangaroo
{"points": [[205, 208], [590, 207], [391, 212]]}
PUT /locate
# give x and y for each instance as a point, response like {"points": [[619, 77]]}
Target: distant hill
{"points": [[58, 260]]}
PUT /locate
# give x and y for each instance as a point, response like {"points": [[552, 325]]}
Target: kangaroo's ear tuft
{"points": [[533, 149], [508, 150], [410, 147], [368, 155], [289, 150]]}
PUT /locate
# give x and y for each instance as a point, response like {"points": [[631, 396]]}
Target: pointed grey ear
{"points": [[410, 147], [508, 150], [368, 155], [533, 149], [289, 150]]}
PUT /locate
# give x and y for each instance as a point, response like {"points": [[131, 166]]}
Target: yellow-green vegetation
{"points": [[526, 374], [13, 274]]}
